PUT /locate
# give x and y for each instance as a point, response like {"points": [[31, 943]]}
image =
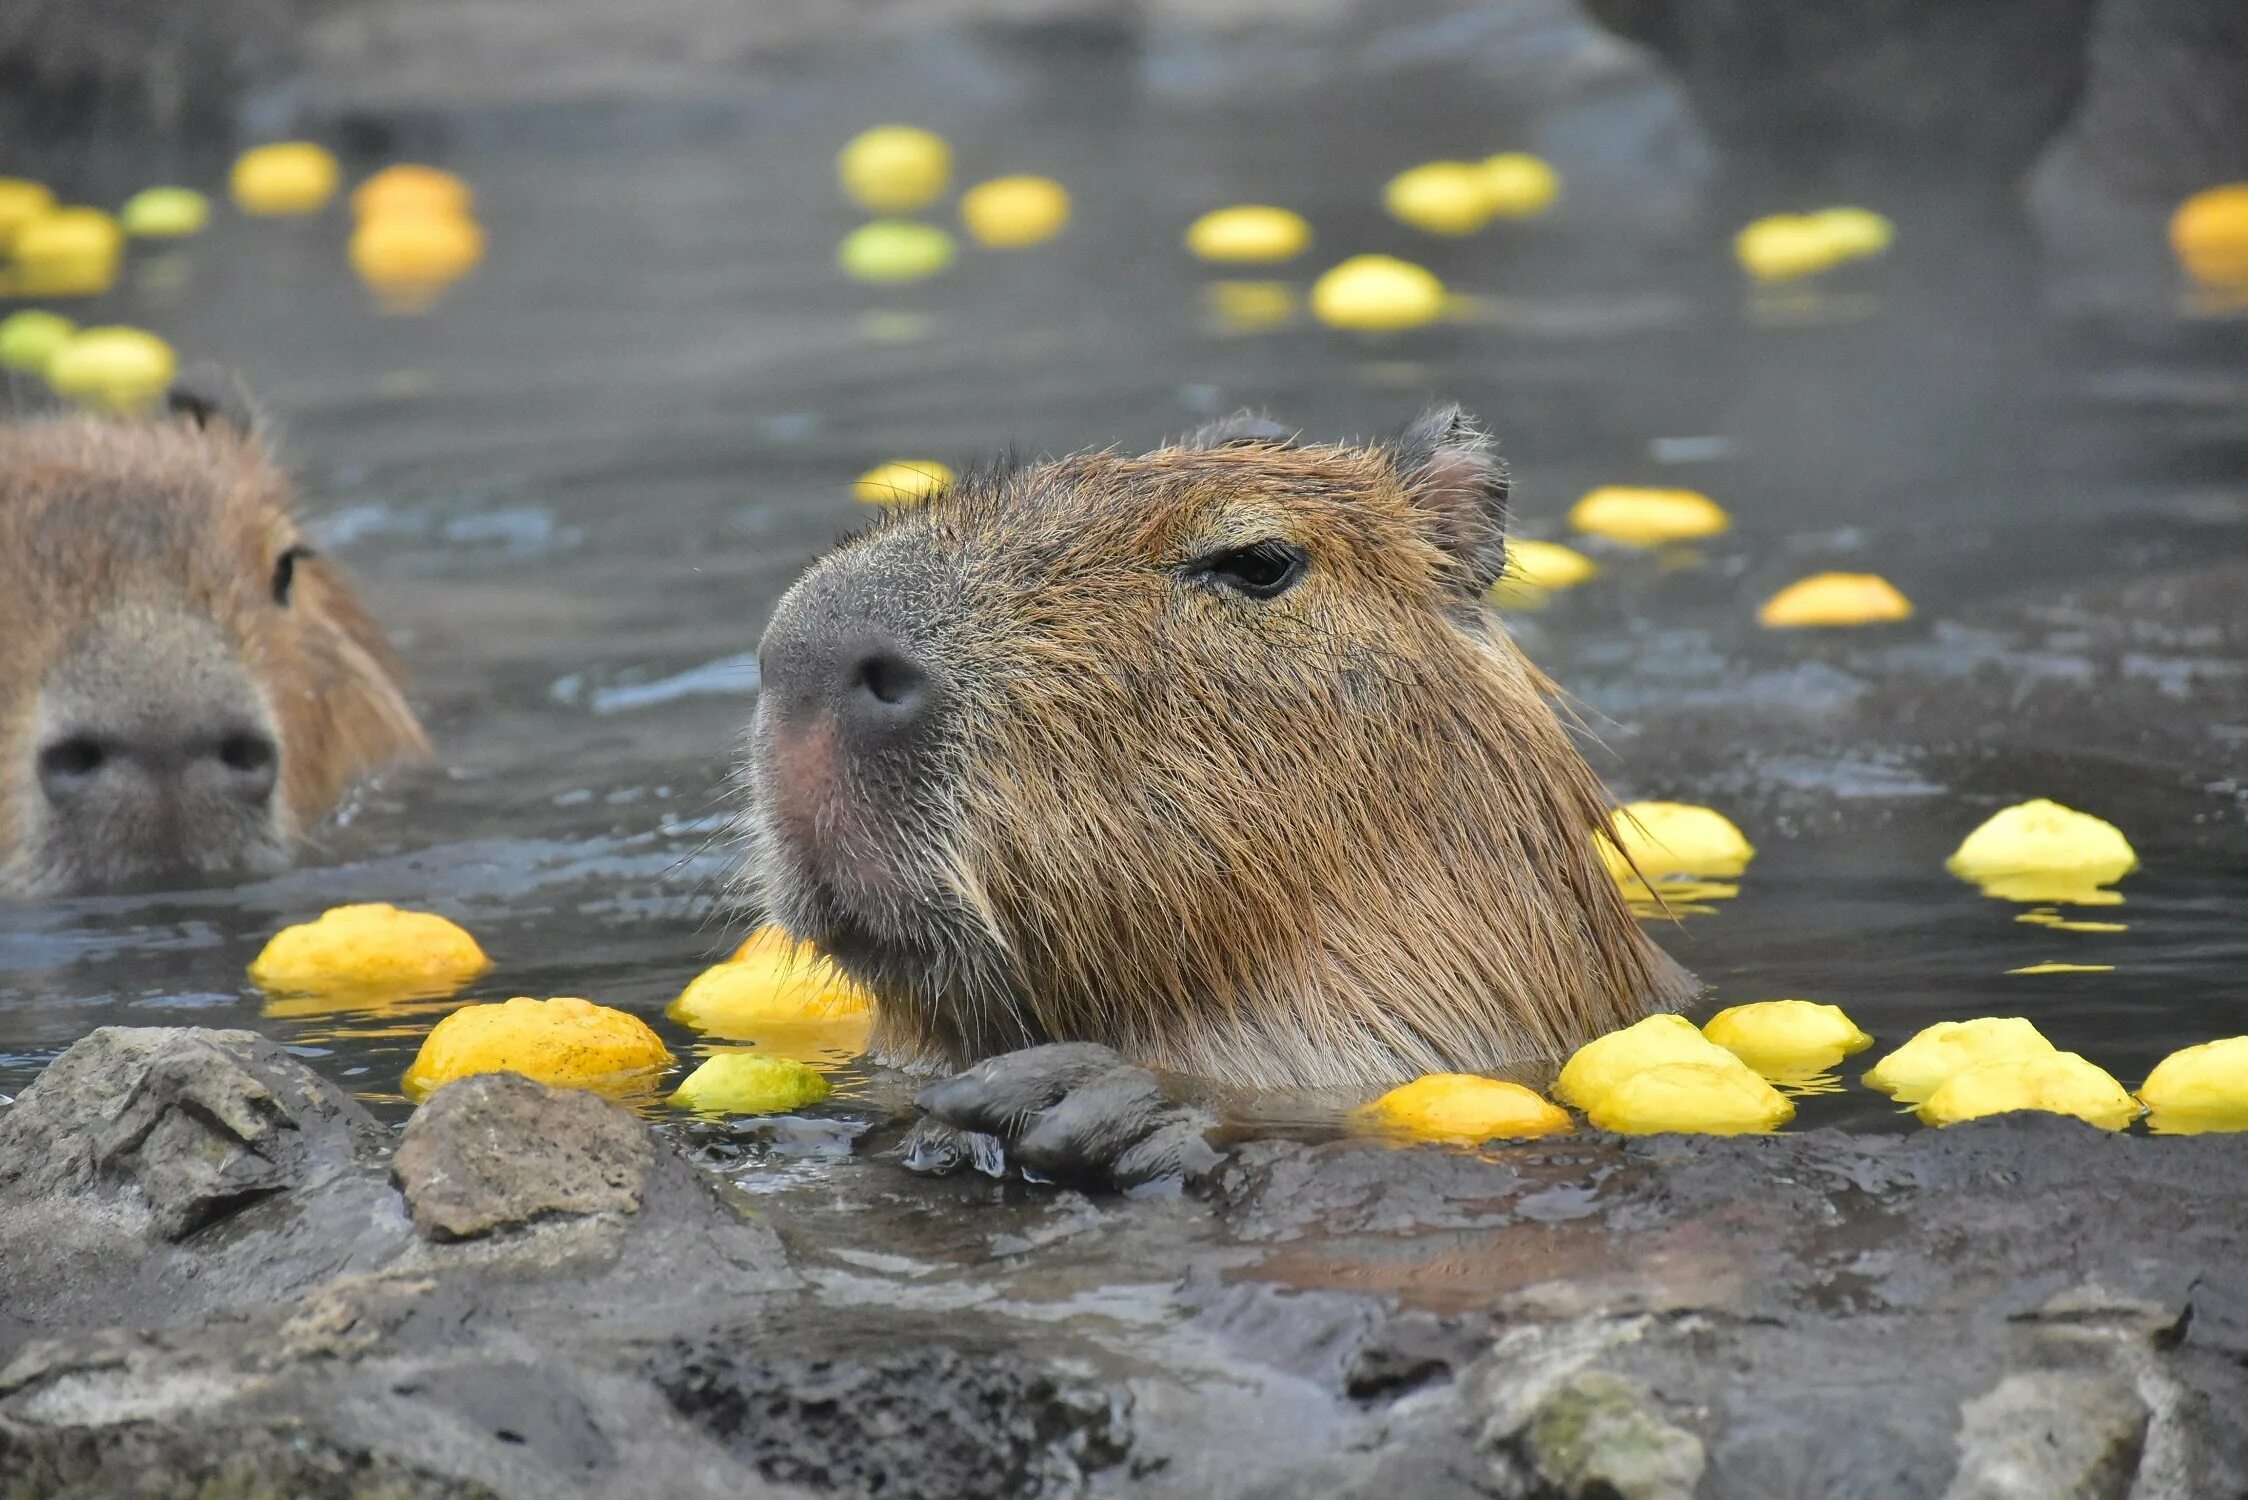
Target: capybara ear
{"points": [[1454, 478], [1241, 427], [210, 398]]}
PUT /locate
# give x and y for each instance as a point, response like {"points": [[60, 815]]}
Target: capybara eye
{"points": [[1261, 570], [285, 572]]}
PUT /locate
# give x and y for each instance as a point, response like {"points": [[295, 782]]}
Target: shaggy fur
{"points": [[1331, 838], [143, 553]]}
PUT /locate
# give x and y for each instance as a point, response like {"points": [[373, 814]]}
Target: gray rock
{"points": [[2050, 1435], [1599, 1436], [899, 1407], [182, 1126], [498, 1151]]}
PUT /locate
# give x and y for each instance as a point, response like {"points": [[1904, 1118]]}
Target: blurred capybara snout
{"points": [[186, 687]]}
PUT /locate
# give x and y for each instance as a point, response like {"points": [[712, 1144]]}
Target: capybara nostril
{"points": [[252, 763], [87, 771], [891, 681], [68, 766], [882, 696]]}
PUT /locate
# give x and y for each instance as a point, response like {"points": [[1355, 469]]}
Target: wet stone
{"points": [[498, 1151], [1409, 1351], [909, 1415], [185, 1125], [1599, 1436], [2050, 1435]]}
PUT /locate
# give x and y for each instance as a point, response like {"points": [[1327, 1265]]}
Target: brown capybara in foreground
{"points": [[1214, 756], [184, 687]]}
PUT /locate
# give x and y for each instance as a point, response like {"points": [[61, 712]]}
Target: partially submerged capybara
{"points": [[1212, 755], [184, 687]]}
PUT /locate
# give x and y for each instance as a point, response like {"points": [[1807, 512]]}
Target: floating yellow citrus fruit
{"points": [[1377, 294], [1786, 246], [21, 201], [117, 367], [1250, 233], [1835, 599], [1442, 197], [750, 1083], [28, 339], [1783, 247], [1517, 185], [892, 168], [894, 250], [2199, 1089], [1602, 1063], [1695, 1098], [1786, 1039], [566, 1041], [2060, 1083], [2209, 232], [771, 981], [1675, 838], [1648, 517], [165, 213], [1915, 1070], [1461, 1107], [902, 481], [1535, 569], [373, 945], [409, 188], [1854, 232], [284, 179], [71, 252], [413, 251], [1008, 213], [2042, 851]]}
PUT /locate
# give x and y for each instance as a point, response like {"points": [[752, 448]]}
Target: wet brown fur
{"points": [[1335, 838], [106, 518]]}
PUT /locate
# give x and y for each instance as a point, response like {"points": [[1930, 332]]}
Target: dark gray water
{"points": [[574, 489]]}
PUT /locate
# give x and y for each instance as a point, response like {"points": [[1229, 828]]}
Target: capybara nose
{"points": [[875, 690], [86, 769], [835, 664]]}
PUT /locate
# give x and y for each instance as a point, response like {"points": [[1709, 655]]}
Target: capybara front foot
{"points": [[1069, 1112]]}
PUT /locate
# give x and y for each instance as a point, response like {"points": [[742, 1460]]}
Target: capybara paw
{"points": [[935, 1149], [1071, 1112]]}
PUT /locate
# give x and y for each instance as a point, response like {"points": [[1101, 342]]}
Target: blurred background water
{"points": [[574, 486]]}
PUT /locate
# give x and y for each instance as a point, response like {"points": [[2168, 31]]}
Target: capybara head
{"points": [[1213, 755], [185, 687]]}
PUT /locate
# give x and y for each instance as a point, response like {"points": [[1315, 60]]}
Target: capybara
{"points": [[185, 688], [1213, 755]]}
